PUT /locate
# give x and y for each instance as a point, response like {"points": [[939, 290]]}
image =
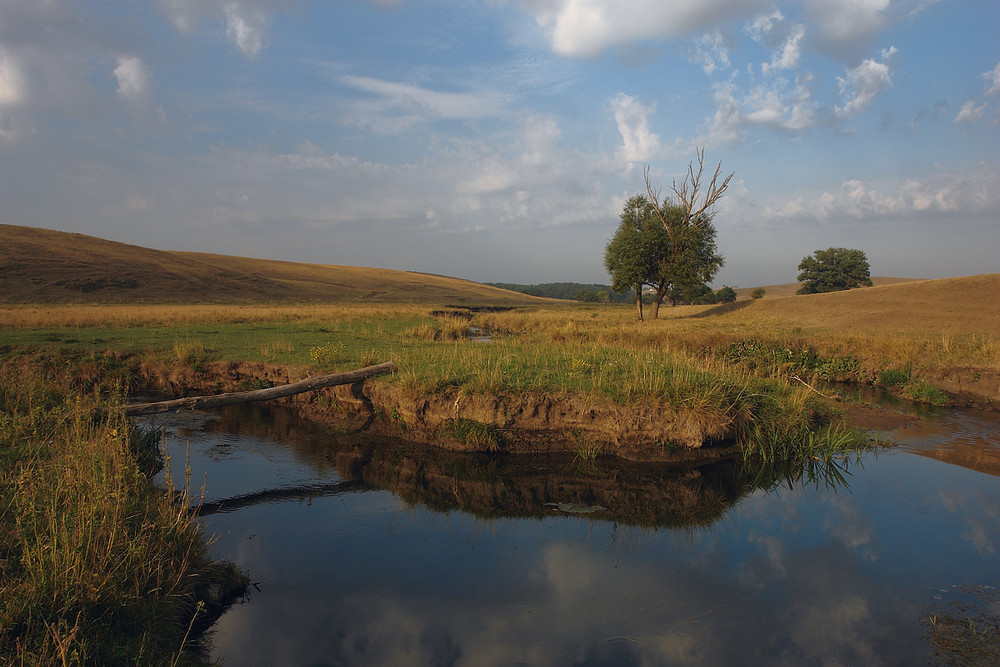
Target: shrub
{"points": [[892, 377], [757, 293], [726, 294]]}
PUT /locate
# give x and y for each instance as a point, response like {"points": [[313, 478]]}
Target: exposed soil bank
{"points": [[525, 423]]}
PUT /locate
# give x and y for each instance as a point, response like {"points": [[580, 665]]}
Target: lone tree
{"points": [[834, 270], [643, 253], [631, 255], [692, 259]]}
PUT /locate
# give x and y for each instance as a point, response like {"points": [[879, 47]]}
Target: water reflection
{"points": [[494, 486], [711, 568]]}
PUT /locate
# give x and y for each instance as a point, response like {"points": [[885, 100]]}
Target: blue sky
{"points": [[497, 140]]}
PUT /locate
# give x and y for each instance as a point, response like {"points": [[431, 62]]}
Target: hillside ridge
{"points": [[46, 266]]}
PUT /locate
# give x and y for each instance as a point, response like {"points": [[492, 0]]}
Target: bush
{"points": [[892, 377], [726, 294], [757, 293]]}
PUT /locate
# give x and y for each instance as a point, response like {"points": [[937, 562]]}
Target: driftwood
{"points": [[310, 384]]}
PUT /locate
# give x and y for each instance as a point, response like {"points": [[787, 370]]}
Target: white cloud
{"points": [[246, 21], [133, 79], [11, 84], [968, 193], [584, 28], [848, 28], [711, 52], [778, 104], [788, 56], [245, 27], [970, 113], [639, 142], [862, 84], [759, 27], [993, 80], [421, 102]]}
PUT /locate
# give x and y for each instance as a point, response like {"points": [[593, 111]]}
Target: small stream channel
{"points": [[378, 552]]}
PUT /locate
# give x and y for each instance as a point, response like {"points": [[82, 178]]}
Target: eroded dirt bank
{"points": [[524, 423], [456, 421]]}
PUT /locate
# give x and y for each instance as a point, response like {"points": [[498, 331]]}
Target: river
{"points": [[373, 552]]}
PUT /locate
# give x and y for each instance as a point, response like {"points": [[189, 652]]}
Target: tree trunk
{"points": [[310, 384], [638, 301], [657, 300]]}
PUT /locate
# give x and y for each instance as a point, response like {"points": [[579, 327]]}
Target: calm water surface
{"points": [[381, 553]]}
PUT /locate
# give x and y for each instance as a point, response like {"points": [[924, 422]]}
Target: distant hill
{"points": [[45, 266], [564, 290], [966, 305]]}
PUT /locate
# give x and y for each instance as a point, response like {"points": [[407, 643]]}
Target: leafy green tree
{"points": [[652, 247], [757, 293], [834, 270], [726, 294], [587, 296], [691, 258], [631, 256]]}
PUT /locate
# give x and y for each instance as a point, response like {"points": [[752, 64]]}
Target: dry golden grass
{"points": [[789, 289], [44, 266], [953, 306]]}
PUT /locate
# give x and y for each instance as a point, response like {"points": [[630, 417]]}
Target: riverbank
{"points": [[97, 565]]}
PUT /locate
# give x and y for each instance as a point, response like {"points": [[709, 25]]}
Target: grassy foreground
{"points": [[97, 566]]}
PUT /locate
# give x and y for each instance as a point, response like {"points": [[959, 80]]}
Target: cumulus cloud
{"points": [[863, 84], [972, 192], [992, 80], [639, 142], [584, 28], [970, 113], [11, 85], [711, 52], [788, 56], [245, 27], [246, 21], [133, 79], [848, 28]]}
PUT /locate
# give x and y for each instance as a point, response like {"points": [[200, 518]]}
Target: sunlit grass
{"points": [[97, 566]]}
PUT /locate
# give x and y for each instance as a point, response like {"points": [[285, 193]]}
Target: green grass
{"points": [[736, 389], [97, 566]]}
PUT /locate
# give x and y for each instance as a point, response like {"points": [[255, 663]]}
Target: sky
{"points": [[497, 140]]}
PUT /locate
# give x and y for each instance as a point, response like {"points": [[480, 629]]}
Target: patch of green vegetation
{"points": [[893, 377], [920, 391], [769, 356], [99, 566], [476, 435]]}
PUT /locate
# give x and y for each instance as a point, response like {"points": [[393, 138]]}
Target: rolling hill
{"points": [[966, 305], [45, 266]]}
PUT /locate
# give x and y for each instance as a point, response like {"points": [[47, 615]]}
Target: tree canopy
{"points": [[673, 259], [834, 270]]}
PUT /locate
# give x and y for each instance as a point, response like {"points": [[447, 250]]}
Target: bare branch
{"points": [[693, 211], [653, 196]]}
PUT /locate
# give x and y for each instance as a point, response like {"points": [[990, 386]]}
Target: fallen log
{"points": [[218, 400]]}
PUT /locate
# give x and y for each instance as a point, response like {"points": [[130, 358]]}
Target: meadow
{"points": [[97, 565]]}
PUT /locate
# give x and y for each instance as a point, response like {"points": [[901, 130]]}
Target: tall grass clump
{"points": [[97, 565]]}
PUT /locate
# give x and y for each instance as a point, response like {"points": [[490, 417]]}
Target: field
{"points": [[83, 321]]}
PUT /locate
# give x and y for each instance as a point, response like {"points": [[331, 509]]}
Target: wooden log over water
{"points": [[310, 384]]}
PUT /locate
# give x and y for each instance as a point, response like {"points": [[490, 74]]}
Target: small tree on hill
{"points": [[757, 293], [726, 294], [834, 270]]}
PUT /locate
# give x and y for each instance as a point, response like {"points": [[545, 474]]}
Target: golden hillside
{"points": [[966, 305], [44, 266]]}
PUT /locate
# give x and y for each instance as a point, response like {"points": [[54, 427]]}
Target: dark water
{"points": [[380, 553]]}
